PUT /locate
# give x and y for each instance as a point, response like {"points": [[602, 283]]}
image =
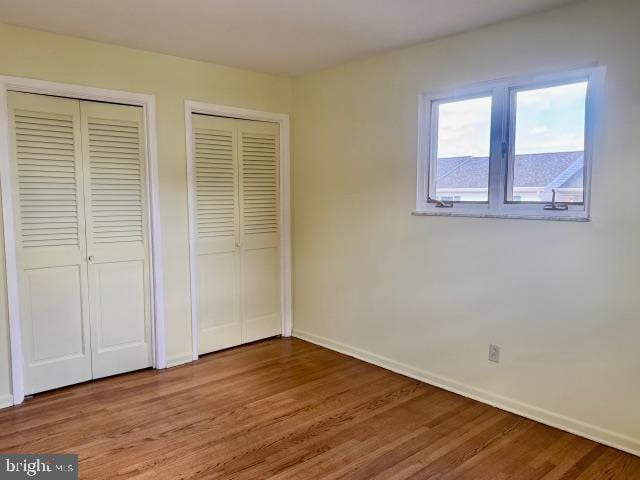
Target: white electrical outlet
{"points": [[494, 353]]}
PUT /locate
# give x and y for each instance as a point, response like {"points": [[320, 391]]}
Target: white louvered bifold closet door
{"points": [[79, 194], [119, 292], [215, 191], [50, 239], [259, 229], [236, 200]]}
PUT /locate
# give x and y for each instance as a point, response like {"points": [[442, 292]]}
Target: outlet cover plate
{"points": [[494, 353]]}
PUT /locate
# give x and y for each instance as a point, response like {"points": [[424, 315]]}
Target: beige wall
{"points": [[429, 294], [33, 54]]}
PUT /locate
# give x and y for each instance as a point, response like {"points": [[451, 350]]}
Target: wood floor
{"points": [[288, 409]]}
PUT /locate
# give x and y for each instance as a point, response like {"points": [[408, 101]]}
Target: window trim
{"points": [[501, 146]]}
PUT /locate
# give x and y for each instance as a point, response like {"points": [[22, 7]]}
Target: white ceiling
{"points": [[288, 37]]}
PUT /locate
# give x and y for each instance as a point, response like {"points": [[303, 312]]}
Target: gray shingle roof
{"points": [[534, 170]]}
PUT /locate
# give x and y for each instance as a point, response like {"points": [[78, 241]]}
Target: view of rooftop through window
{"points": [[464, 134], [549, 146]]}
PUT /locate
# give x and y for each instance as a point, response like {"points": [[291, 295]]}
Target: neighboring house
{"points": [[534, 178]]}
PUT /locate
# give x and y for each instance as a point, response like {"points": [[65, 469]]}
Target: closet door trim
{"points": [[282, 120], [78, 92]]}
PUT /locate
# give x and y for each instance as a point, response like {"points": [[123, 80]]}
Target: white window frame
{"points": [[502, 145]]}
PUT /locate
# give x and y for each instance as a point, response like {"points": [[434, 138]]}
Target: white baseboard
{"points": [[6, 401], [577, 427], [179, 360]]}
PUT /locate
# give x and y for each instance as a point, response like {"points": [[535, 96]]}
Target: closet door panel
{"points": [[54, 294], [117, 243], [260, 232], [50, 239], [218, 302], [261, 294], [120, 298], [215, 187], [53, 317]]}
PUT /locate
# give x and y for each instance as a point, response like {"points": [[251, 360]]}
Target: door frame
{"points": [[282, 119], [79, 92]]}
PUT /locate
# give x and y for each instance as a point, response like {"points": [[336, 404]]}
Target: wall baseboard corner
{"points": [[561, 422]]}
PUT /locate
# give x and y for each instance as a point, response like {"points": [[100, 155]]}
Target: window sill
{"points": [[515, 216]]}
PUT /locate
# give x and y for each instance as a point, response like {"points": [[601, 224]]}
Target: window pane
{"points": [[549, 144], [463, 139]]}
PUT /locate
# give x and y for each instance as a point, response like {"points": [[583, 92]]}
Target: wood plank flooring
{"points": [[287, 409]]}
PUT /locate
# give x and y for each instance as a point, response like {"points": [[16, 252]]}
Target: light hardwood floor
{"points": [[287, 409]]}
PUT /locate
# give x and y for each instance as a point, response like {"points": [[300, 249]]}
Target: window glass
{"points": [[549, 144], [463, 139]]}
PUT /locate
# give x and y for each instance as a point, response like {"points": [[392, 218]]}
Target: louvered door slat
{"points": [[214, 183], [46, 169], [116, 175], [259, 183]]}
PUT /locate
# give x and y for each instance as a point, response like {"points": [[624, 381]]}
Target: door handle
{"points": [[237, 244], [90, 258]]}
